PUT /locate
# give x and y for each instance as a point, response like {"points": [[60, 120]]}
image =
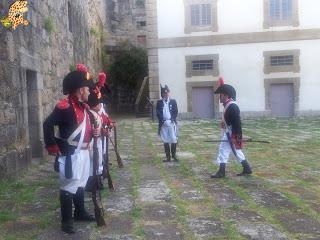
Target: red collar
{"points": [[229, 100], [73, 98]]}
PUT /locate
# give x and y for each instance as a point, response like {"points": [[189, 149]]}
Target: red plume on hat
{"points": [[102, 79], [221, 81], [83, 68], [226, 89]]}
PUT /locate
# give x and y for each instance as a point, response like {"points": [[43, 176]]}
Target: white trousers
{"points": [[80, 171], [225, 150], [168, 132]]}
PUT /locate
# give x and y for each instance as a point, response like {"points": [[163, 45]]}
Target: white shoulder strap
{"points": [[81, 128]]}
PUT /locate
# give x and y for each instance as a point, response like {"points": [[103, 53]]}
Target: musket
{"points": [[115, 147], [246, 140], [105, 171], [98, 208]]}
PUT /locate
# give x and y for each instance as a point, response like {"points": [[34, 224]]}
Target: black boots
{"points": [[167, 151], [221, 172], [66, 212], [246, 168], [80, 214], [173, 152]]}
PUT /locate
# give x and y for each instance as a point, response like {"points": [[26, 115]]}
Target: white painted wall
{"points": [[242, 66], [234, 16]]}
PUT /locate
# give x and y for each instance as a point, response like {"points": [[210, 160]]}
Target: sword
{"points": [[232, 145]]}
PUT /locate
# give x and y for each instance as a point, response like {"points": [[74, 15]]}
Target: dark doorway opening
{"points": [[34, 114]]}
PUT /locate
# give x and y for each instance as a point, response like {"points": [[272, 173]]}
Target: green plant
{"points": [[49, 25], [139, 231], [94, 31], [72, 67], [136, 212], [130, 66], [7, 215]]}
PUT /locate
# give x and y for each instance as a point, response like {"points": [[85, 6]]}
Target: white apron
{"points": [[79, 160], [169, 130]]}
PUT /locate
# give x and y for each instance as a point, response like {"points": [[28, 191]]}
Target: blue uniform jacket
{"points": [[173, 108]]}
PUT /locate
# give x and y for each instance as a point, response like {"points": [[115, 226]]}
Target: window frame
{"points": [[139, 25], [295, 67], [269, 22], [190, 72], [189, 28]]}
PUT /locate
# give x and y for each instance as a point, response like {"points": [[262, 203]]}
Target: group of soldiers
{"points": [[231, 131], [80, 119], [83, 126]]}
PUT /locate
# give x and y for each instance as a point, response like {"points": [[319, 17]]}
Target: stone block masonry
{"points": [[33, 61]]}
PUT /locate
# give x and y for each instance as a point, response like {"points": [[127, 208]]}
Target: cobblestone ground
{"points": [[156, 200]]}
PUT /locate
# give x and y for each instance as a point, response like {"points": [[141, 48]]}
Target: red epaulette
{"points": [[63, 103]]}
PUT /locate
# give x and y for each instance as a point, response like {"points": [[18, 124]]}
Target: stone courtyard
{"points": [[156, 200]]}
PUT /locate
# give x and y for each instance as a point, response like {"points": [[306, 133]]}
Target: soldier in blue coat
{"points": [[167, 111]]}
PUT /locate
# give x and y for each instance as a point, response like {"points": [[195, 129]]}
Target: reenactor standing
{"points": [[167, 112], [70, 145]]}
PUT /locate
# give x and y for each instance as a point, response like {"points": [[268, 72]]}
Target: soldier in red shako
{"points": [[70, 145], [106, 95], [231, 140], [95, 102], [167, 112]]}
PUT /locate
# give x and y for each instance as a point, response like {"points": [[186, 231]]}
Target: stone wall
{"points": [[33, 61], [125, 23], [124, 18]]}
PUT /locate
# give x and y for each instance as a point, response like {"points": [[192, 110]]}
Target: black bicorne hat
{"points": [[226, 89], [94, 98], [75, 80], [164, 89]]}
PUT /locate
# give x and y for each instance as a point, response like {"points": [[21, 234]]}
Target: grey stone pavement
{"points": [[155, 200]]}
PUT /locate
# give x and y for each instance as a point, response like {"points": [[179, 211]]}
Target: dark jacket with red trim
{"points": [[232, 118], [67, 116]]}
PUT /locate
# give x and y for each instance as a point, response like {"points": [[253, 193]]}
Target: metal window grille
{"points": [[202, 65], [201, 14], [281, 60], [141, 24]]}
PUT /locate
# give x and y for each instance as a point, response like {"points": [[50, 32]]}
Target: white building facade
{"points": [[267, 49]]}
